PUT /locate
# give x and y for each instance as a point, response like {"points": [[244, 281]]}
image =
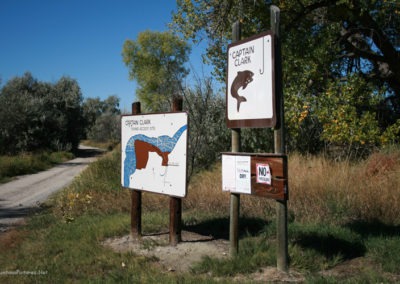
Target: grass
{"points": [[342, 191], [254, 253], [29, 163], [340, 214], [319, 246], [71, 254]]}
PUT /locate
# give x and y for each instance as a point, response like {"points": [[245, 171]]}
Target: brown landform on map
{"points": [[142, 150]]}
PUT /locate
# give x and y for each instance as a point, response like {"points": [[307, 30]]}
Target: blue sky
{"points": [[81, 39]]}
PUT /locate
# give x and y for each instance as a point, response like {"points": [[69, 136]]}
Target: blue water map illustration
{"points": [[164, 143]]}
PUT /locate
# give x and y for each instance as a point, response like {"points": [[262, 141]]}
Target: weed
{"points": [[11, 166], [340, 212], [72, 251], [382, 250], [254, 253]]}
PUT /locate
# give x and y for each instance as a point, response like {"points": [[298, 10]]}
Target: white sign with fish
{"points": [[251, 82]]}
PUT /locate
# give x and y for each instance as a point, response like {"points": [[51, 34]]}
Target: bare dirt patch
{"points": [[194, 247], [271, 275], [172, 258], [190, 251]]}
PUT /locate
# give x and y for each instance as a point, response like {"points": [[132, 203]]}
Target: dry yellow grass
{"points": [[368, 190], [321, 190], [205, 192]]}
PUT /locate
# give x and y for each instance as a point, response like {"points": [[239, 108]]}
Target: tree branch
{"points": [[356, 51], [305, 10]]}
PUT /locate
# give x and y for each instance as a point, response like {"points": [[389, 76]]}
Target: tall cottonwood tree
{"points": [[341, 62], [156, 60]]}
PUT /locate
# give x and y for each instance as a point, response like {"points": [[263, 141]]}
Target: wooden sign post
{"points": [[154, 159], [234, 197], [254, 99], [279, 142], [136, 196], [175, 203]]}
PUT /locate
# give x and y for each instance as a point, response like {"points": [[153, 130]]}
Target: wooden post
{"points": [[234, 204], [136, 197], [279, 139], [175, 203], [235, 198]]}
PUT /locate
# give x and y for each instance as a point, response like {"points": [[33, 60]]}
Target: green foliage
{"points": [[258, 140], [106, 128], [303, 128], [102, 119], [208, 135], [156, 61], [11, 166], [338, 58], [347, 112], [36, 115], [391, 134]]}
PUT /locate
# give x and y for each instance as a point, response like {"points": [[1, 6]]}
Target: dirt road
{"points": [[22, 196]]}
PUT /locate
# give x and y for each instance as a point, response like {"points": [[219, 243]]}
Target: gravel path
{"points": [[24, 195]]}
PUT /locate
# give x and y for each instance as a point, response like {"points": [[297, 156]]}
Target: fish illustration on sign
{"points": [[242, 79]]}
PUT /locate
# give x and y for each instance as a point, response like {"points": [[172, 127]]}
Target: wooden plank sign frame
{"points": [[268, 175]]}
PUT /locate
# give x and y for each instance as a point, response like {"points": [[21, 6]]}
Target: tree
{"points": [[92, 109], [208, 134], [102, 119], [156, 61], [67, 98], [331, 48], [36, 115], [16, 109]]}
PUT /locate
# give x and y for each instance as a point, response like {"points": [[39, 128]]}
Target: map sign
{"points": [[153, 152], [250, 86]]}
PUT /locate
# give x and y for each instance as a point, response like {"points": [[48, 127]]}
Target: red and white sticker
{"points": [[263, 174]]}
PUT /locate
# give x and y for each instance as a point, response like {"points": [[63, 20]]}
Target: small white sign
{"points": [[263, 174], [228, 173], [236, 174]]}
